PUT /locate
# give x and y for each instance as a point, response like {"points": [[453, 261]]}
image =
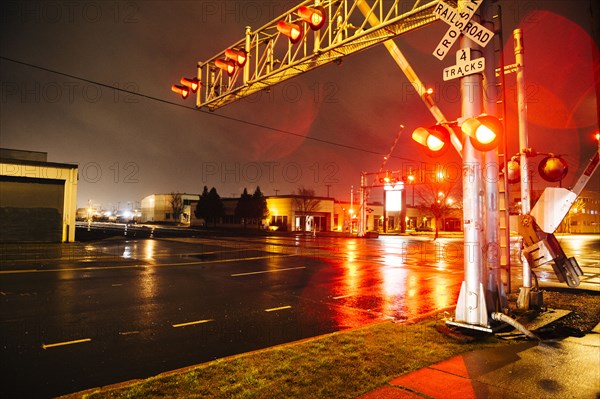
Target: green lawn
{"points": [[339, 365]]}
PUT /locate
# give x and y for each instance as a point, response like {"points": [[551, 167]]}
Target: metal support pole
{"points": [[524, 292], [471, 307], [492, 250], [247, 48], [362, 228]]}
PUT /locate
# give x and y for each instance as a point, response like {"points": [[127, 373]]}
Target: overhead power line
{"points": [[213, 114]]}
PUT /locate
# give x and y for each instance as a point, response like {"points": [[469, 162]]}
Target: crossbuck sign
{"points": [[460, 22]]}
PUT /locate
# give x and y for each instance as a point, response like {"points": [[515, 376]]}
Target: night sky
{"points": [[319, 130]]}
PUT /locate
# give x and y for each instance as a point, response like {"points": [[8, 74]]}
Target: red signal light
{"points": [[315, 16], [436, 139], [226, 65], [292, 31], [181, 90], [239, 56], [192, 84], [484, 131]]}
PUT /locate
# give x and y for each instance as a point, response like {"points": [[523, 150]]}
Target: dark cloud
{"points": [[130, 146]]}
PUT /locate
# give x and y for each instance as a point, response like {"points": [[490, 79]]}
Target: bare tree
{"points": [[176, 202], [439, 198], [305, 203]]}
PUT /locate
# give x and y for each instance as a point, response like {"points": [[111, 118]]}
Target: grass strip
{"points": [[340, 365]]}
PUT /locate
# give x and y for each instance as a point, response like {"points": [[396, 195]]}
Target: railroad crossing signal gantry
{"points": [[313, 34]]}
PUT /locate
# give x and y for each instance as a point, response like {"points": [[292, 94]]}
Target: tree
{"points": [[439, 197], [243, 209], [210, 206], [305, 203], [259, 208], [201, 208], [176, 202], [215, 206]]}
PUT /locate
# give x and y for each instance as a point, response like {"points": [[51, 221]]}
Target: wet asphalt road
{"points": [[83, 315]]}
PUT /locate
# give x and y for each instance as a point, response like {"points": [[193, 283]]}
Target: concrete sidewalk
{"points": [[567, 368]]}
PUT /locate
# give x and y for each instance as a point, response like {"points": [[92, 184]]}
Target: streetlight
{"points": [[411, 181]]}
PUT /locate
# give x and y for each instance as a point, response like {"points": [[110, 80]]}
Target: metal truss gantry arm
{"points": [[273, 58]]}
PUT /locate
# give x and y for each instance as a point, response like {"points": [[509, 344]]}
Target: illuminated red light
{"points": [[239, 56], [484, 131], [292, 31], [436, 139], [226, 65], [181, 90], [315, 16], [192, 84]]}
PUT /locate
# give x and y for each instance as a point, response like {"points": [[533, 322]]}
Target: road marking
{"points": [[341, 296], [77, 341], [117, 285], [142, 266], [129, 332], [190, 323], [279, 308], [267, 271]]}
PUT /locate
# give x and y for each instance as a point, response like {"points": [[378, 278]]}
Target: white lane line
{"points": [[191, 323], [117, 285], [142, 266], [129, 332], [267, 271], [77, 341], [279, 308], [342, 296]]}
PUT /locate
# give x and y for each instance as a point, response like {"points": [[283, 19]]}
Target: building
{"points": [[158, 208], [301, 213], [38, 199], [584, 215]]}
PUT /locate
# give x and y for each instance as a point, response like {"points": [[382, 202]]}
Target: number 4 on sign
{"points": [[464, 65]]}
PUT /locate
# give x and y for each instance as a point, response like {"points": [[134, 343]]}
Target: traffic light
{"points": [[238, 56], [436, 139], [192, 84], [181, 90], [314, 16], [484, 131], [553, 168], [291, 30], [226, 65]]}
